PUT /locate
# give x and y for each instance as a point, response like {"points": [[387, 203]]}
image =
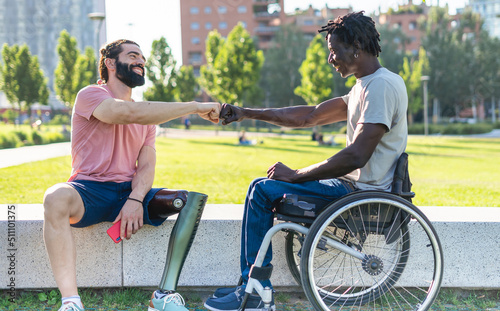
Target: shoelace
{"points": [[175, 298], [69, 307]]}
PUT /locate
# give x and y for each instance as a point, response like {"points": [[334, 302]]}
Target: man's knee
{"points": [[58, 201]]}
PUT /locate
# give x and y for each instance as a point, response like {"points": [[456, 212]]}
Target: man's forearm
{"points": [[288, 116], [149, 112]]}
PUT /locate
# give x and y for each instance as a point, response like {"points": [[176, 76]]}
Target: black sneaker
{"points": [[232, 302]]}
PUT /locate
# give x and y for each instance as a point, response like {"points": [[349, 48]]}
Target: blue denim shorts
{"points": [[103, 201]]}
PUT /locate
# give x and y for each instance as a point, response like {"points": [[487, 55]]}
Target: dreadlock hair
{"points": [[354, 27], [111, 51]]}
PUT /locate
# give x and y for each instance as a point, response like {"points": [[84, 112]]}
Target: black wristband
{"points": [[129, 198]]}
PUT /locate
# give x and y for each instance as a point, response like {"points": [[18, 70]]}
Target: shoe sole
{"points": [[272, 308], [152, 309]]}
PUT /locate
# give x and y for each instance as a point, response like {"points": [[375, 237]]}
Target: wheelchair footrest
{"points": [[301, 206]]}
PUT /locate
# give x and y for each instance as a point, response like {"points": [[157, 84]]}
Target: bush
{"points": [[451, 128], [36, 138], [53, 137], [9, 140], [60, 119], [467, 129]]}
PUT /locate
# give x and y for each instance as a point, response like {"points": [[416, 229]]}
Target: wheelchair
{"points": [[369, 250]]}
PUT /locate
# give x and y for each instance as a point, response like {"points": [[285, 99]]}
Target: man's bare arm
{"points": [[367, 136], [329, 111], [116, 111]]}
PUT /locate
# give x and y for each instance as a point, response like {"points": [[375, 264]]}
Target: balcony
{"points": [[266, 15]]}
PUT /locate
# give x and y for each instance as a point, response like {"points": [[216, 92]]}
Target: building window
{"points": [[222, 25], [195, 25], [412, 26], [222, 9], [208, 25], [308, 22], [194, 57], [208, 10], [195, 40], [242, 9], [194, 10], [244, 24]]}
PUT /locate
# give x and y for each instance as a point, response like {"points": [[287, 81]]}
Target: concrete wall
{"points": [[469, 236]]}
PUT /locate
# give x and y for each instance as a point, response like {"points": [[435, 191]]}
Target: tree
{"points": [[207, 72], [412, 72], [161, 72], [316, 84], [393, 43], [448, 44], [22, 79], [85, 70], [65, 70], [187, 87], [234, 71], [9, 84], [280, 74]]}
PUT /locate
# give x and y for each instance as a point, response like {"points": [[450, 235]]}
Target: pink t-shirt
{"points": [[101, 151]]}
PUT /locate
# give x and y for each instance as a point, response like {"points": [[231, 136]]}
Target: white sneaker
{"points": [[169, 302]]}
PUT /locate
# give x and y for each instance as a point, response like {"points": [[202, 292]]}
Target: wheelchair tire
{"points": [[293, 251], [380, 226]]}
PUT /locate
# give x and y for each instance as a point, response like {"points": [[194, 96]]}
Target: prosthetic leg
{"points": [[190, 206]]}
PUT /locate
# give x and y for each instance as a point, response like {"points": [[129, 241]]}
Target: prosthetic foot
{"points": [[181, 238]]}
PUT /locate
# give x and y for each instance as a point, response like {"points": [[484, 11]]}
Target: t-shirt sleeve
{"points": [[88, 99], [379, 104], [151, 136]]}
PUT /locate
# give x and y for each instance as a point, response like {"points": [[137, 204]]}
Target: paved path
{"points": [[16, 156]]}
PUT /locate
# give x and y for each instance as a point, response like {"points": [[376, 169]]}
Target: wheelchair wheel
{"points": [[293, 251], [378, 226]]}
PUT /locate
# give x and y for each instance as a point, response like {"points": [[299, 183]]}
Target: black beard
{"points": [[125, 74]]}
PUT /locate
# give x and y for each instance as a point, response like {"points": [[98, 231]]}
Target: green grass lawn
{"points": [[445, 171]]}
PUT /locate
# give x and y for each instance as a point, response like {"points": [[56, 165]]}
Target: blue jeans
{"points": [[258, 216]]}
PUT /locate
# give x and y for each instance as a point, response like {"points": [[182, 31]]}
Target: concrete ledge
{"points": [[469, 236]]}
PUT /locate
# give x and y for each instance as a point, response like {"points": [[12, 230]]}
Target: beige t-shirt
{"points": [[379, 98]]}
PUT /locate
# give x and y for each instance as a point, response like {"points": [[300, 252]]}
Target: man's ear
{"points": [[110, 63]]}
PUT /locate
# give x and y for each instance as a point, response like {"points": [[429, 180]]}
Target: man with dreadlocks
{"points": [[375, 110], [113, 167]]}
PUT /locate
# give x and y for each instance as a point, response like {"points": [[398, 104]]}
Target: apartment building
{"points": [[490, 12], [198, 17], [261, 18]]}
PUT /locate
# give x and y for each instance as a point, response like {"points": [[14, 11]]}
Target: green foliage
{"points": [[65, 71], [316, 84], [451, 129], [25, 136], [233, 66], [412, 72], [280, 73], [60, 119], [85, 72], [393, 42], [51, 298], [74, 70], [161, 72], [22, 80], [187, 87]]}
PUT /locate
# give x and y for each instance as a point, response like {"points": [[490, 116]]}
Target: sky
{"points": [[148, 20]]}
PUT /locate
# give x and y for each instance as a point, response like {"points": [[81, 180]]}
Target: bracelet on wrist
{"points": [[129, 198]]}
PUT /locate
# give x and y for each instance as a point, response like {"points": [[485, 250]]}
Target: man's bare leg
{"points": [[62, 206]]}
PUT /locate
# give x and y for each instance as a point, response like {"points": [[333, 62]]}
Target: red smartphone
{"points": [[114, 232]]}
